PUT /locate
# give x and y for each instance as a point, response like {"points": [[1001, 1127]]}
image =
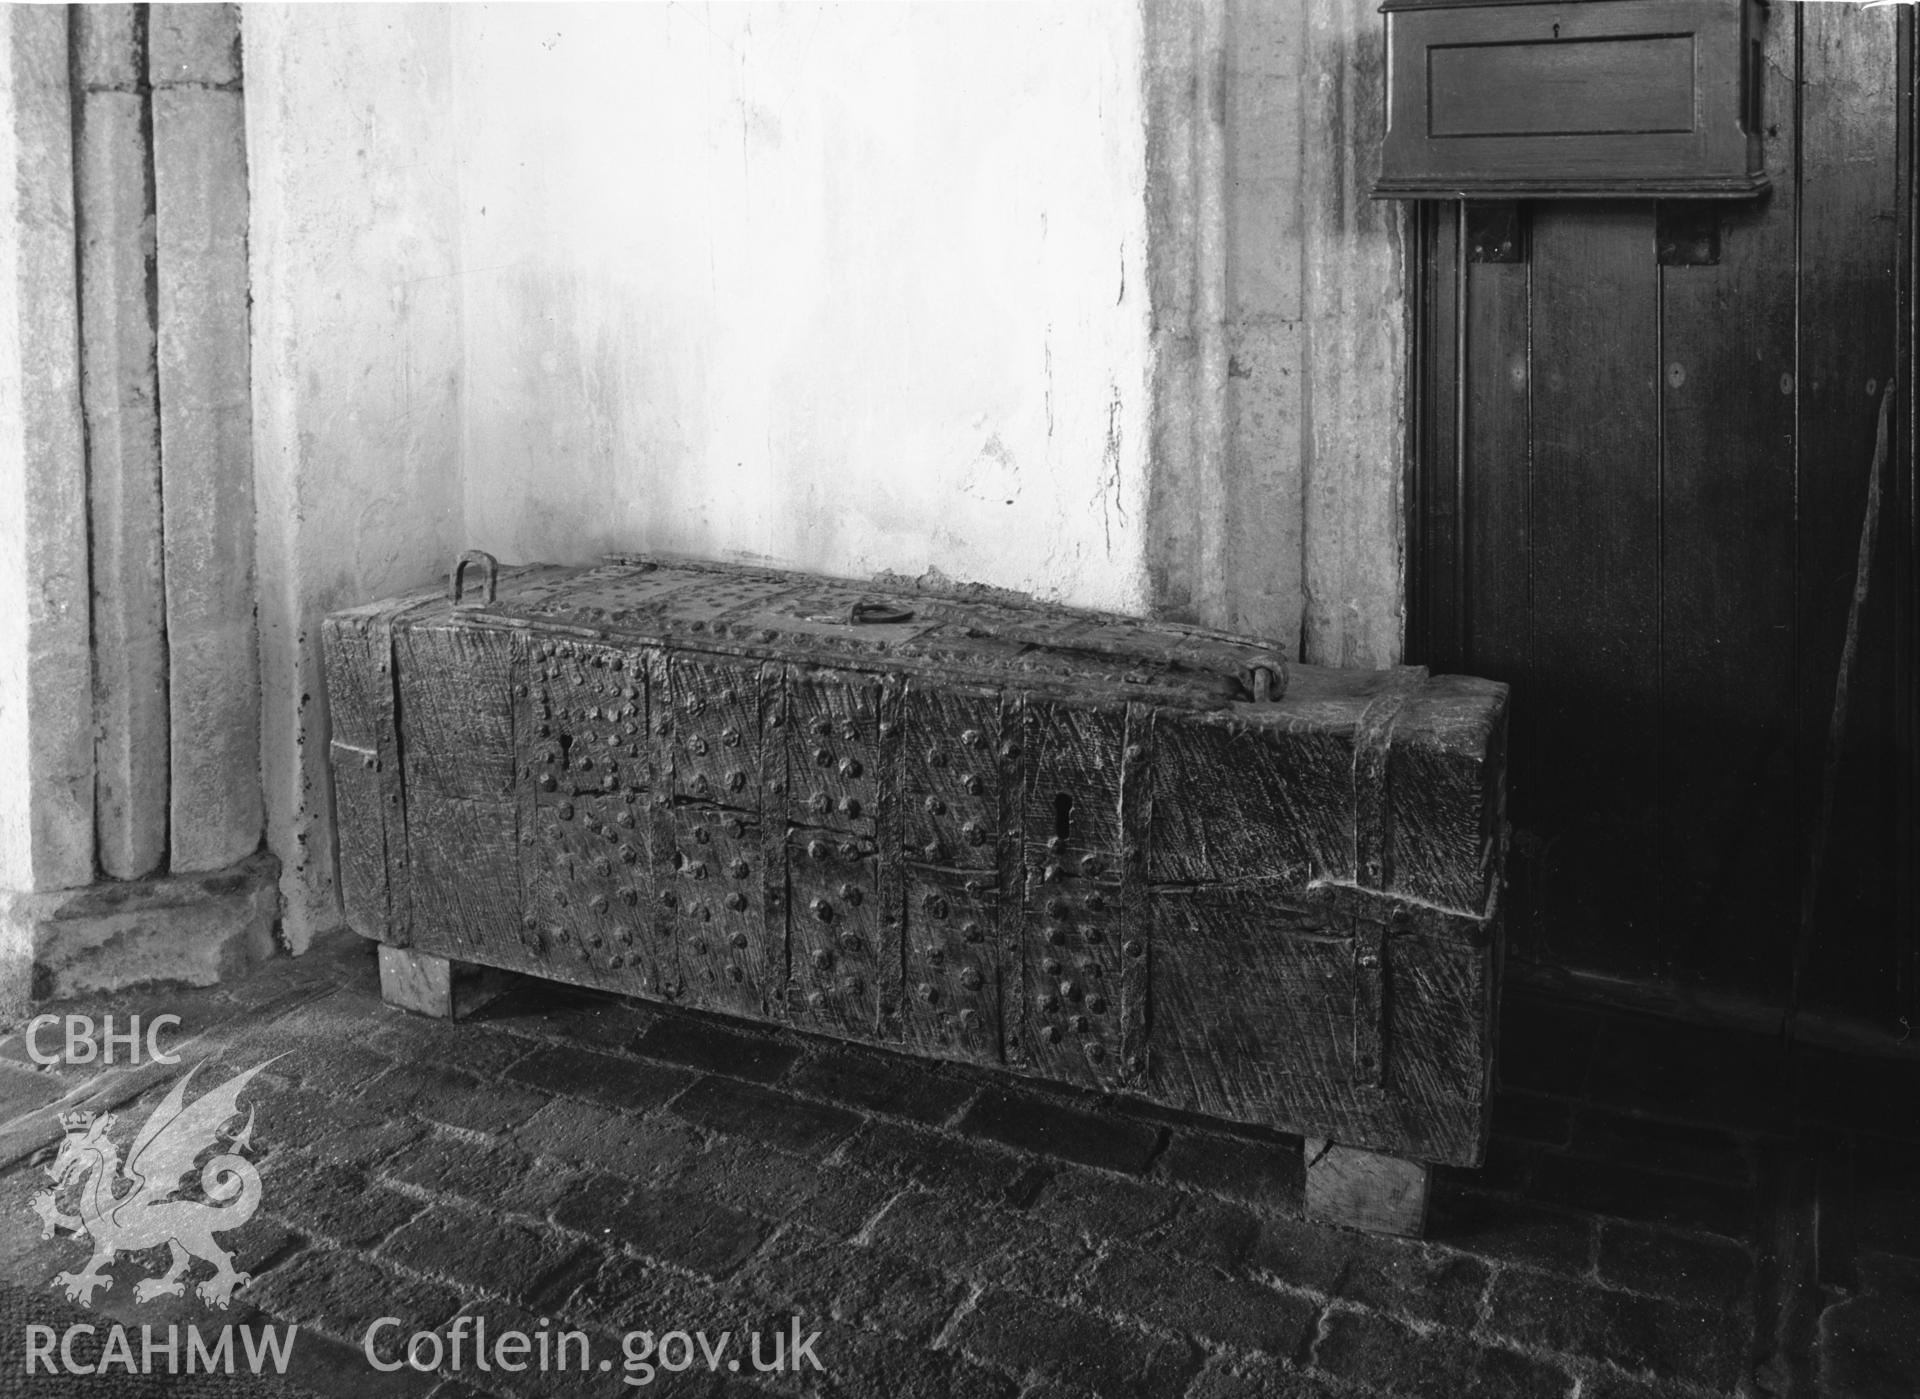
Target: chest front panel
{"points": [[1063, 845]]}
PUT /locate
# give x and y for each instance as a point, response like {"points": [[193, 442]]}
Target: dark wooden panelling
{"points": [[1595, 561], [1496, 572], [1849, 248], [1436, 611], [1661, 467], [1615, 86], [1727, 625]]}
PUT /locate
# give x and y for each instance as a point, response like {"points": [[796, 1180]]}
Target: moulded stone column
{"points": [[200, 183], [113, 190], [46, 720]]}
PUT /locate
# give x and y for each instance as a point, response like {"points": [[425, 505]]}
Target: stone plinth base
{"points": [[197, 929]]}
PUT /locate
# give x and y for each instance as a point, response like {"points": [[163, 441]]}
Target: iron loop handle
{"points": [[1266, 682], [875, 613], [489, 578]]}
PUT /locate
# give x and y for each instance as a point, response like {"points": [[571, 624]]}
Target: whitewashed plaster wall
{"points": [[847, 288], [357, 370]]}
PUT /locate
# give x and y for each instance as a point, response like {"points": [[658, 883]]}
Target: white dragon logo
{"points": [[144, 1216]]}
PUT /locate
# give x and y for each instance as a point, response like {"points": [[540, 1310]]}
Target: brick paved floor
{"points": [[1666, 1211]]}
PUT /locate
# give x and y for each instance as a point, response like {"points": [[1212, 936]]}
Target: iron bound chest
{"points": [[1145, 858]]}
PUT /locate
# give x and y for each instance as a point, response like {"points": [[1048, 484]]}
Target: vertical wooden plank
{"points": [[369, 800], [844, 963], [1849, 226], [1074, 1019], [588, 778], [1497, 538], [1434, 621], [1595, 534], [711, 846], [1727, 626], [949, 846], [1906, 535]]}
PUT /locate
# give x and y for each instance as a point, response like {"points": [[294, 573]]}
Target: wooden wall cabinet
{"points": [[1515, 99]]}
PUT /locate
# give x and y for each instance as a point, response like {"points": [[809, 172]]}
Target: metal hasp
{"points": [[1146, 859], [1554, 99]]}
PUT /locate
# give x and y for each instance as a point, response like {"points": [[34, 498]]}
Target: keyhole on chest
{"points": [[1062, 816]]}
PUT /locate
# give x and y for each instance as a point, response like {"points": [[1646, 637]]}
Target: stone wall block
{"points": [[1354, 283], [1264, 420], [109, 46], [200, 181], [46, 719], [194, 45], [118, 391]]}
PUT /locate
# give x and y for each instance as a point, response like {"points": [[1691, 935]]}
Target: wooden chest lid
{"points": [[964, 633]]}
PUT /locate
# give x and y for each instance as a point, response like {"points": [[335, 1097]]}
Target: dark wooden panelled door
{"points": [[1646, 441]]}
